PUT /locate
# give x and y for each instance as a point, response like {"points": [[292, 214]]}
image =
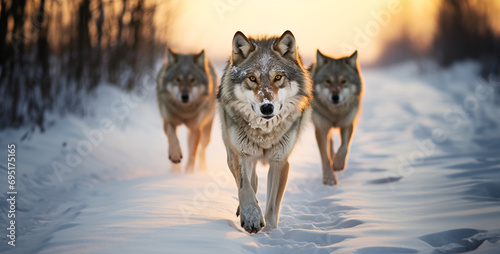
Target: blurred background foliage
{"points": [[55, 52], [464, 30]]}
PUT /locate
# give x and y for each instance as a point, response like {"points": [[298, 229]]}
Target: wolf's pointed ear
{"points": [[200, 59], [242, 47], [320, 59], [353, 60], [286, 45], [170, 57]]}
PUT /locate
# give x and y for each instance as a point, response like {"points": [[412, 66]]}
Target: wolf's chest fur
{"points": [[255, 133]]}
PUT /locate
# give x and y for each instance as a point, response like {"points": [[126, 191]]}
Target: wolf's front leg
{"points": [[193, 142], [174, 149], [205, 140], [276, 183], [322, 137], [340, 158], [251, 217]]}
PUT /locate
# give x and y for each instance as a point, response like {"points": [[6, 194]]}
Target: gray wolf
{"points": [[337, 95], [264, 100], [186, 95]]}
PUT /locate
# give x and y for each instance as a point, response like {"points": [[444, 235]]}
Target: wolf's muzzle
{"points": [[335, 98], [184, 98], [267, 109]]}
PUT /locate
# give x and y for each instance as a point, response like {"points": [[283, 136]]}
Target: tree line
{"points": [[54, 53]]}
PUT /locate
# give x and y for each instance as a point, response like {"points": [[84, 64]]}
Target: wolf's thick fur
{"points": [[186, 95], [264, 102], [337, 94]]}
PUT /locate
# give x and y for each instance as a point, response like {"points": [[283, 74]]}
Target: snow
{"points": [[423, 176], [264, 62], [234, 69]]}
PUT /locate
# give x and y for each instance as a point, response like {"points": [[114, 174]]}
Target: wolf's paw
{"points": [[175, 156], [332, 180], [339, 161], [251, 218]]}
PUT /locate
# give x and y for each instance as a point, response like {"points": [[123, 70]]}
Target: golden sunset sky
{"points": [[336, 27]]}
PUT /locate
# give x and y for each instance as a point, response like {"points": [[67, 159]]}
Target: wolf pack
{"points": [[265, 99]]}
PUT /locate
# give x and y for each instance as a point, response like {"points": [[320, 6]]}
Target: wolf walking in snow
{"points": [[264, 100], [186, 95], [337, 100]]}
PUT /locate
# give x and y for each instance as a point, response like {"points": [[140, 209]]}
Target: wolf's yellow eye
{"points": [[252, 78], [277, 77], [343, 81]]}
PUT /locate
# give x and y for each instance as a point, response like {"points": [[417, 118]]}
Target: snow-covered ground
{"points": [[423, 176]]}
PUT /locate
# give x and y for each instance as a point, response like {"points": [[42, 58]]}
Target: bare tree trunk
{"points": [[42, 43], [99, 23], [120, 23], [18, 36], [136, 25], [43, 51], [3, 30], [84, 16]]}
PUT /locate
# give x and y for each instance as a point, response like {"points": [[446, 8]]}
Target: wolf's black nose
{"points": [[184, 97], [335, 98], [267, 109]]}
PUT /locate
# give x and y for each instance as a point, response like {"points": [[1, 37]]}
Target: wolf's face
{"points": [[185, 77], [266, 92], [336, 79], [266, 73]]}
